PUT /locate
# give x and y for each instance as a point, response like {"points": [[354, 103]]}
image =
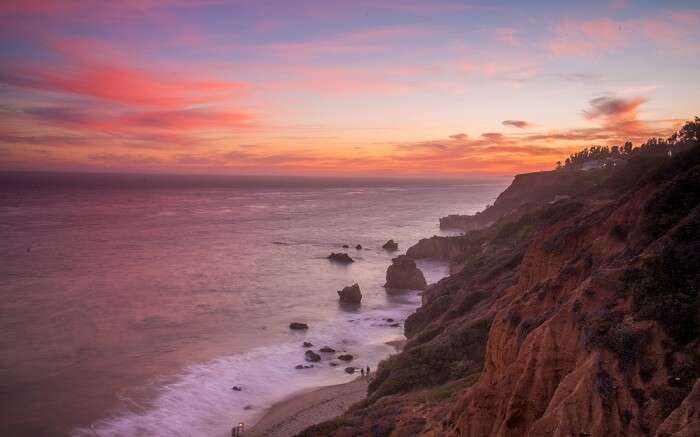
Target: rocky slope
{"points": [[573, 318], [528, 188]]}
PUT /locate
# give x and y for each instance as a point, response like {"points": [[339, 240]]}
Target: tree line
{"points": [[686, 137]]}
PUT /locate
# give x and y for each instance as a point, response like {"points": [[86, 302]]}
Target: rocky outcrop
{"points": [[298, 326], [440, 248], [391, 246], [342, 258], [312, 356], [573, 318], [529, 188], [350, 295], [403, 273]]}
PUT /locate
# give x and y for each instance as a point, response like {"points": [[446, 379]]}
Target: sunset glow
{"points": [[445, 88]]}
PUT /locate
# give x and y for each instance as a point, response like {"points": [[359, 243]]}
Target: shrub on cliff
{"points": [[453, 355]]}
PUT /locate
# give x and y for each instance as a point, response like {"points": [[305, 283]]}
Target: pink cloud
{"points": [[586, 37]]}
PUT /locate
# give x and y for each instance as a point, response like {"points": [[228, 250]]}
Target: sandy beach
{"points": [[295, 414]]}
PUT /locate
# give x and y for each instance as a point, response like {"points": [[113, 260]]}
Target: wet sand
{"points": [[293, 415]]}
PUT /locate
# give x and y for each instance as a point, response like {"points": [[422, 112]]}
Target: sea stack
{"points": [[403, 273], [391, 246], [342, 258], [298, 326], [350, 295]]}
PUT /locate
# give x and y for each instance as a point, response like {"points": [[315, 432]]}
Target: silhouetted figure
{"points": [[368, 371], [362, 371]]}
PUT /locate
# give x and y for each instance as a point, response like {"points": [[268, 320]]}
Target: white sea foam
{"points": [[200, 401]]}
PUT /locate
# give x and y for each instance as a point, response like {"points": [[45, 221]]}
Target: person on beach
{"points": [[362, 372], [367, 371]]}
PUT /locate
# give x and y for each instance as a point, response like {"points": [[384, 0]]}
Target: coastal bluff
{"points": [[570, 311], [527, 188]]}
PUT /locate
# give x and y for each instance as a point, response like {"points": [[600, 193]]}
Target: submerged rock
{"points": [[345, 246], [403, 273], [340, 258], [303, 366], [390, 245], [358, 247], [345, 357], [298, 326], [351, 294], [307, 344], [312, 356], [327, 350], [333, 364], [236, 388], [350, 370]]}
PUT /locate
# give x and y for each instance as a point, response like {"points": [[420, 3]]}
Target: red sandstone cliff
{"points": [[577, 318]]}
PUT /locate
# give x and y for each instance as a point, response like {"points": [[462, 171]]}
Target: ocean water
{"points": [[130, 305]]}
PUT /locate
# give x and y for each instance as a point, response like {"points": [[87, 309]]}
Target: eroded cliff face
{"points": [[577, 318], [528, 188]]}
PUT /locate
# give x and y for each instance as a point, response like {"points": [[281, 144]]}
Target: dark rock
{"points": [[312, 356], [390, 245], [389, 320], [236, 388], [327, 350], [303, 366], [394, 325], [403, 273], [350, 370], [298, 326], [307, 344], [340, 258], [345, 246], [345, 357], [358, 247], [248, 407], [333, 364], [350, 294]]}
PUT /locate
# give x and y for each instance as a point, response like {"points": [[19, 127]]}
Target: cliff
{"points": [[529, 188], [572, 318]]}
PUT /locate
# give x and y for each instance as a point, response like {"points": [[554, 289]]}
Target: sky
{"points": [[329, 87]]}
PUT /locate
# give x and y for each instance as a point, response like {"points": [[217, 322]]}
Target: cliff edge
{"points": [[577, 317]]}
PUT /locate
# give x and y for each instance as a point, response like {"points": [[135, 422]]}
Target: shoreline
{"points": [[310, 407], [296, 413]]}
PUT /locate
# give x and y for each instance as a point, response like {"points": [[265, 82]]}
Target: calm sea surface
{"points": [[130, 305]]}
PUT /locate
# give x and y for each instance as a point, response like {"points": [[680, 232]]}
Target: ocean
{"points": [[130, 305]]}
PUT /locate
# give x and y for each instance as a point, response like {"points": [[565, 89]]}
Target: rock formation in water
{"points": [[312, 356], [350, 295], [573, 318], [298, 326], [403, 273], [391, 246], [340, 257]]}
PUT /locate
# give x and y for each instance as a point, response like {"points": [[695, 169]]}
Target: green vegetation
{"points": [[451, 356]]}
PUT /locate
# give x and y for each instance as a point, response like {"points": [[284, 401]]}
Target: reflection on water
{"points": [[145, 300]]}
